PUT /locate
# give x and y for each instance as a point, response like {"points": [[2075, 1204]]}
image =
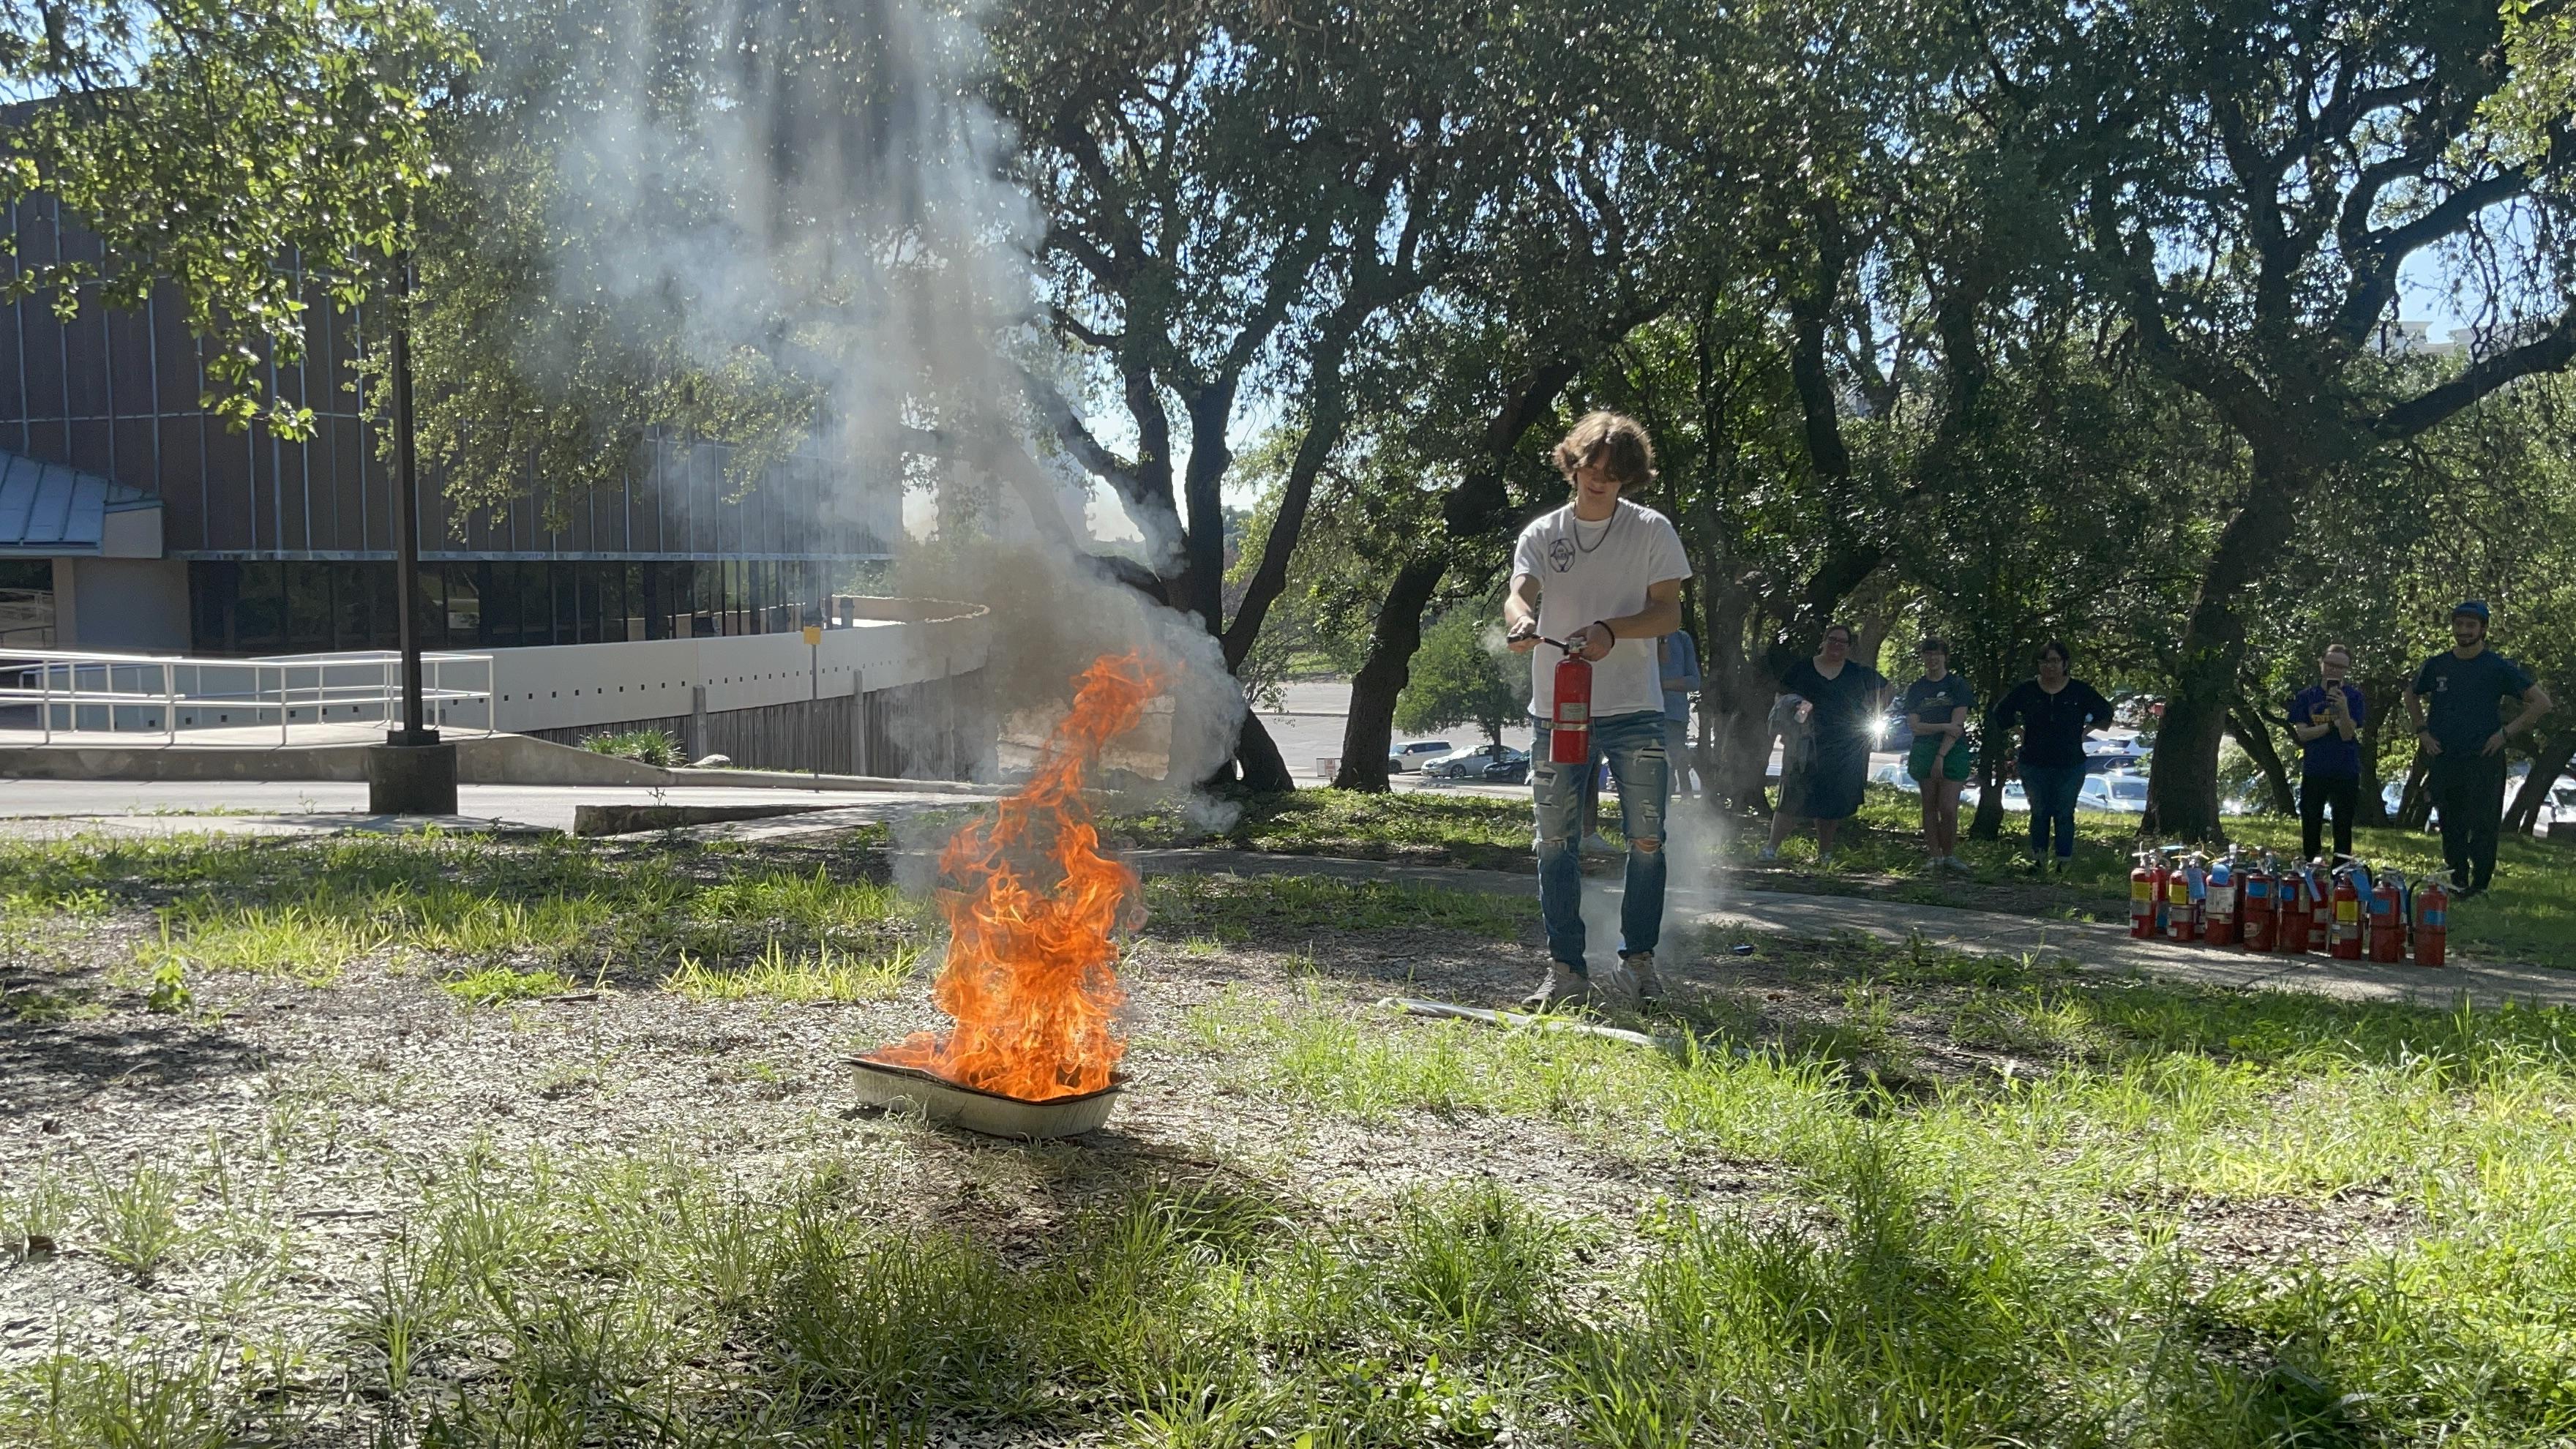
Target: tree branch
{"points": [[2548, 352]]}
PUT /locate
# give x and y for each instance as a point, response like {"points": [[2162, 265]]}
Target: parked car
{"points": [[2015, 797], [2562, 801], [2106, 756], [1469, 764], [2121, 794], [1406, 758], [1508, 772], [1894, 772], [2393, 794]]}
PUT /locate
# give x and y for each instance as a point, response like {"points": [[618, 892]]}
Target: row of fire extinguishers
{"points": [[2347, 911]]}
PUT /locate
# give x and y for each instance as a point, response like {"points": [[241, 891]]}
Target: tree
{"points": [[1457, 679], [2258, 175], [227, 150], [1233, 201]]}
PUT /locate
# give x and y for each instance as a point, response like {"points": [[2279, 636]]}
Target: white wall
{"points": [[568, 686], [123, 604]]}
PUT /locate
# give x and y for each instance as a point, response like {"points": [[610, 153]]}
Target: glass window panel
{"points": [[259, 615]]}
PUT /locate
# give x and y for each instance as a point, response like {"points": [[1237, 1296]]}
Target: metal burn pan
{"points": [[941, 1100]]}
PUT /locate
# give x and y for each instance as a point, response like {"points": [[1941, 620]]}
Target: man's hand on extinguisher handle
{"points": [[1592, 641], [1522, 637]]}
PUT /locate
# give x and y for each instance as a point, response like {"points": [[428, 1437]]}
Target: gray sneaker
{"points": [[1640, 966], [1564, 987]]}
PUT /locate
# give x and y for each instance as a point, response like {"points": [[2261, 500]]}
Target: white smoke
{"points": [[812, 185]]}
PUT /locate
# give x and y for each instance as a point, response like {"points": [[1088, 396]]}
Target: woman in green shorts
{"points": [[1937, 705]]}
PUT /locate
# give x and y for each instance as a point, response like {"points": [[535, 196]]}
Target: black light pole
{"points": [[413, 772], [415, 729]]}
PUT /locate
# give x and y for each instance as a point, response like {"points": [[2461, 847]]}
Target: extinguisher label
{"points": [[1570, 713]]}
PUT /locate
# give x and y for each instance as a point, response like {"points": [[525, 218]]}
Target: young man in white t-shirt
{"points": [[1603, 575]]}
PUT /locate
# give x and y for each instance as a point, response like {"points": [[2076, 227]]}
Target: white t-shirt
{"points": [[1590, 571]]}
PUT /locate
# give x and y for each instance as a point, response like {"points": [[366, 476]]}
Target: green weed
{"points": [[133, 1219], [824, 974], [651, 747]]}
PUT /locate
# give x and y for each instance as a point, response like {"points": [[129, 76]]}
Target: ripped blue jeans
{"points": [[1634, 746]]}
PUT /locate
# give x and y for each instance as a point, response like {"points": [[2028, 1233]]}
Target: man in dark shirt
{"points": [[2326, 719], [2455, 703]]}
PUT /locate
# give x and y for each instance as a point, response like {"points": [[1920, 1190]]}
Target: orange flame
{"points": [[1031, 976]]}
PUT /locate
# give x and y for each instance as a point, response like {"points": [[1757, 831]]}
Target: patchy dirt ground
{"points": [[294, 1129]]}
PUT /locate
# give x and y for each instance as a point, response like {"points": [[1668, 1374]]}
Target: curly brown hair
{"points": [[1616, 439]]}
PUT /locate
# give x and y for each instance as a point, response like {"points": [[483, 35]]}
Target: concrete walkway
{"points": [[2091, 947]]}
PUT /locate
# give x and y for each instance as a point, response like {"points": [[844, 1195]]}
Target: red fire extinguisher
{"points": [[2321, 907], [2256, 915], [2388, 918], [1570, 722], [2144, 887], [2290, 934], [2184, 900], [2226, 900], [2432, 921], [2347, 917]]}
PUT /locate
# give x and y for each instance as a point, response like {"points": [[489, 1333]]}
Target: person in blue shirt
{"points": [[1678, 659], [2326, 718], [2456, 703]]}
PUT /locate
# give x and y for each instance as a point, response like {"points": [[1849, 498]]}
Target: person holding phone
{"points": [[2325, 718]]}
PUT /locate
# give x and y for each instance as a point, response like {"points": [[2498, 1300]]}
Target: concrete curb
{"points": [[594, 820], [480, 760]]}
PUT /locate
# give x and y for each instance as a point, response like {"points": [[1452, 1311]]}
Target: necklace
{"points": [[1579, 545]]}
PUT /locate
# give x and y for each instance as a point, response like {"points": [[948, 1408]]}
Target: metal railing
{"points": [[166, 693]]}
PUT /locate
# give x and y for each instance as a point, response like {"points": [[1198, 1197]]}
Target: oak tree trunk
{"points": [[1265, 770], [1369, 730], [2182, 785], [2547, 763]]}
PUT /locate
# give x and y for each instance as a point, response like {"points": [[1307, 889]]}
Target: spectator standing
{"points": [[2054, 711], [2326, 719], [1841, 696], [2456, 702], [1679, 659], [1605, 576], [1937, 706]]}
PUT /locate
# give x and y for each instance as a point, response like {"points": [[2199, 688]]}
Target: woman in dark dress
{"points": [[1841, 698]]}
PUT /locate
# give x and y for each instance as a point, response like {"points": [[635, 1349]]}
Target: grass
{"points": [[2070, 1234], [776, 974], [1225, 908], [2529, 916], [1937, 1279], [1450, 829], [502, 921]]}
